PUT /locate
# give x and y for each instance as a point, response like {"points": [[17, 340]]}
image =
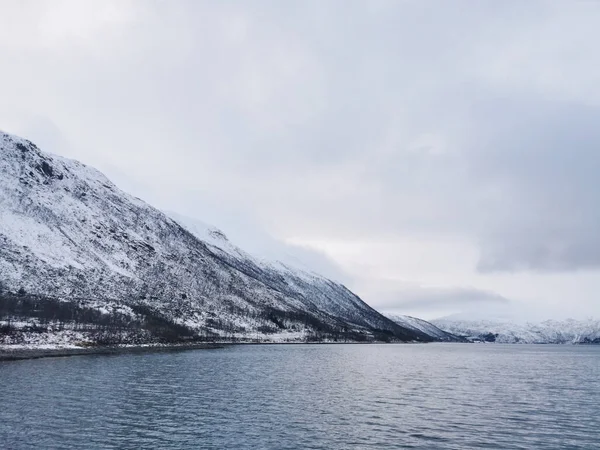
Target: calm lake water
{"points": [[446, 396]]}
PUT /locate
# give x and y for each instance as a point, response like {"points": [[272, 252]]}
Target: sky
{"points": [[436, 157]]}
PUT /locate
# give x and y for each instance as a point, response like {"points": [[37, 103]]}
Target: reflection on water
{"points": [[447, 396]]}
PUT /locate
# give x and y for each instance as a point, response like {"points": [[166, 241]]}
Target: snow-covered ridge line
{"points": [[425, 327], [218, 241], [547, 332], [69, 238]]}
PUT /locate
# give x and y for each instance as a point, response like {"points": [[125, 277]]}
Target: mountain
{"points": [[82, 261], [546, 332], [425, 327]]}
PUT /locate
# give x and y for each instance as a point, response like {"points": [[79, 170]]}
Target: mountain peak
{"points": [[72, 239]]}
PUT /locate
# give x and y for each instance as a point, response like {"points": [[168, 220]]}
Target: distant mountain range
{"points": [[546, 332], [423, 326], [83, 262]]}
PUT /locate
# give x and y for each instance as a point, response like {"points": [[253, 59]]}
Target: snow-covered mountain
{"points": [[217, 239], [76, 252], [546, 332], [423, 326]]}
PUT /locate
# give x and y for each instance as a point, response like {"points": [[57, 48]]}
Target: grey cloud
{"points": [[332, 119], [423, 298], [540, 170]]}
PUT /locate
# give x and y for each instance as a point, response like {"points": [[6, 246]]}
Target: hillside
{"points": [[82, 261], [545, 332], [425, 327]]}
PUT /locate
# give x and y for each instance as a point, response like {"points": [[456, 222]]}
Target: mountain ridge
{"points": [[567, 331], [424, 326], [70, 237]]}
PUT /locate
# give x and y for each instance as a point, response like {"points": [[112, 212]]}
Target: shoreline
{"points": [[18, 354], [37, 353]]}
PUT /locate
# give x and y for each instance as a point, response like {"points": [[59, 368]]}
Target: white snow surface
{"points": [[568, 331], [219, 241], [68, 232], [423, 326]]}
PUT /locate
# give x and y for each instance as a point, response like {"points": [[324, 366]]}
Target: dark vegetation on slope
{"points": [[109, 249], [47, 314]]}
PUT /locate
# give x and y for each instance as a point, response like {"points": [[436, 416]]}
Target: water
{"points": [[446, 396]]}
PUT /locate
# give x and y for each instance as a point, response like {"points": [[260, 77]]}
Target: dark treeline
{"points": [[277, 320], [105, 329], [149, 324]]}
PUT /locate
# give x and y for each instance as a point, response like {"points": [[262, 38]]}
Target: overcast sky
{"points": [[434, 156]]}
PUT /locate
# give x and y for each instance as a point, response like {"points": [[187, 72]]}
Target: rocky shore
{"points": [[13, 354]]}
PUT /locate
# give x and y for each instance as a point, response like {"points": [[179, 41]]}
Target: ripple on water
{"points": [[446, 396]]}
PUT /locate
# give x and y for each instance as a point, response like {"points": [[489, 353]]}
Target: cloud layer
{"points": [[339, 120]]}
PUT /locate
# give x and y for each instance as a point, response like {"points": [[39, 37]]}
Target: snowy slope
{"points": [[546, 332], [68, 233], [219, 242], [423, 326]]}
